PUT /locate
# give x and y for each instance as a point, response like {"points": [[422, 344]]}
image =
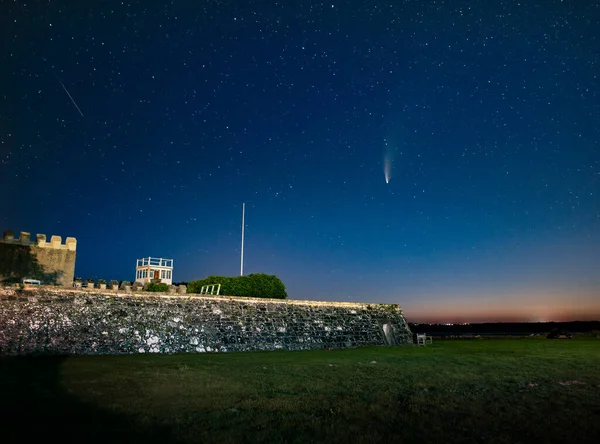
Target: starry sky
{"points": [[443, 155]]}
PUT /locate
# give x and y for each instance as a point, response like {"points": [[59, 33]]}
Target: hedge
{"points": [[258, 285], [157, 286]]}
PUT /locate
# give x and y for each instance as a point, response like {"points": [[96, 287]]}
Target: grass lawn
{"points": [[503, 391]]}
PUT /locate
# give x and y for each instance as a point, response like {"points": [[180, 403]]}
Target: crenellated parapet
{"points": [[39, 241], [48, 261]]}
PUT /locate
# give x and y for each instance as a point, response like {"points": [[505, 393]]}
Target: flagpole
{"points": [[242, 255]]}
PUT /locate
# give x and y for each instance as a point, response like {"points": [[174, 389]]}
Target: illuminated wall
{"points": [[59, 321], [50, 262]]}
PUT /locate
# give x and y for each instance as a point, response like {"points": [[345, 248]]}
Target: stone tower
{"points": [[51, 262]]}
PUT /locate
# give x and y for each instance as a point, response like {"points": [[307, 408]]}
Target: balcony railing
{"points": [[155, 262]]}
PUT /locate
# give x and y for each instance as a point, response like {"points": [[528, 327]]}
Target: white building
{"points": [[148, 268]]}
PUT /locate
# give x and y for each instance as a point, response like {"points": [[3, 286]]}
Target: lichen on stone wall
{"points": [[52, 321]]}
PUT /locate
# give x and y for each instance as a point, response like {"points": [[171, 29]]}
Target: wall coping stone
{"points": [[48, 290]]}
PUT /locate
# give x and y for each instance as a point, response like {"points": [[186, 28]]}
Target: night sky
{"points": [[140, 128]]}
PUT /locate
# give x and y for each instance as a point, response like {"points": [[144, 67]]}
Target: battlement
{"points": [[50, 262], [40, 241]]}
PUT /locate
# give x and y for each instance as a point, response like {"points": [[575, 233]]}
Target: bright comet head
{"points": [[387, 169]]}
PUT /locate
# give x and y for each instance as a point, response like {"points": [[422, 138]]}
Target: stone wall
{"points": [[50, 262], [60, 321]]}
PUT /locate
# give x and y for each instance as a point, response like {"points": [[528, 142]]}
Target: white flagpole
{"points": [[242, 256]]}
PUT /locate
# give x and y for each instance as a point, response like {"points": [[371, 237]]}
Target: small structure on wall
{"points": [[153, 269]]}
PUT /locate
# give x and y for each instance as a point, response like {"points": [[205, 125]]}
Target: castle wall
{"points": [[51, 262], [60, 321]]}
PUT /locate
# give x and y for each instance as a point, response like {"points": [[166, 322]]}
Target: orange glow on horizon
{"points": [[531, 308]]}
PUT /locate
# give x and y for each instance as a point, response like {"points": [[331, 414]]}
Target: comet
{"points": [[387, 169], [388, 158]]}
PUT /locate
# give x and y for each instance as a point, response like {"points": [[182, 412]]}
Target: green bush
{"points": [[594, 334], [157, 287], [258, 285]]}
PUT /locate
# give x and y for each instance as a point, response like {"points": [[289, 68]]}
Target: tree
{"points": [[258, 285]]}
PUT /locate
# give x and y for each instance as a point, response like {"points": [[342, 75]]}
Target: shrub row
{"points": [[257, 285], [156, 287]]}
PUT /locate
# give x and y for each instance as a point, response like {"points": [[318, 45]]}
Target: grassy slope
{"points": [[453, 391]]}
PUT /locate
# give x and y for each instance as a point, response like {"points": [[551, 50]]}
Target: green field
{"points": [[503, 391]]}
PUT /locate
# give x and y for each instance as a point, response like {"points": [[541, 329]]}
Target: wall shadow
{"points": [[35, 406], [18, 262]]}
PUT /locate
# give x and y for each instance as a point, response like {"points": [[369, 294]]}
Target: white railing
{"points": [[423, 339], [208, 289], [155, 262]]}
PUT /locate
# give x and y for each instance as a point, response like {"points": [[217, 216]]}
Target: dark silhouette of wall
{"points": [[36, 407]]}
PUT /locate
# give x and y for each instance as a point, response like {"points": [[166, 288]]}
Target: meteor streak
{"points": [[64, 87]]}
